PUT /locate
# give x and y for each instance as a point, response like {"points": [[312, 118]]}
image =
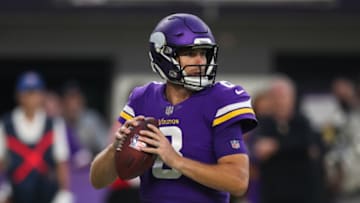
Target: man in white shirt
{"points": [[33, 147]]}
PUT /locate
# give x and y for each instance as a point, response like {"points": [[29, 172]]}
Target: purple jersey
{"points": [[192, 127]]}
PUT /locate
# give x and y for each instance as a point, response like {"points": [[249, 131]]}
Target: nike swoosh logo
{"points": [[238, 92]]}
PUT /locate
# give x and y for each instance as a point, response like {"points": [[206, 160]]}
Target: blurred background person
{"points": [[80, 154], [54, 108], [87, 132], [343, 158], [87, 124], [33, 147], [52, 104], [262, 103], [286, 147]]}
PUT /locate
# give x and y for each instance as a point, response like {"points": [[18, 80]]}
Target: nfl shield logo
{"points": [[235, 144], [136, 144], [169, 110]]}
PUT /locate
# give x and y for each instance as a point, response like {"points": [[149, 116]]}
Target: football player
{"points": [[201, 152]]}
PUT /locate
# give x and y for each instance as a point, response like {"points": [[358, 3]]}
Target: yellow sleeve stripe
{"points": [[231, 115], [125, 115]]}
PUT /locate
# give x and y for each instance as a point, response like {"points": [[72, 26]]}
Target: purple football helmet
{"points": [[176, 32]]}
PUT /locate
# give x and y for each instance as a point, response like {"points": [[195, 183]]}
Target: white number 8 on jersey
{"points": [[158, 171]]}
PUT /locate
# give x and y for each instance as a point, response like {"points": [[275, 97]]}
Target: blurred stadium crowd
{"points": [[76, 61]]}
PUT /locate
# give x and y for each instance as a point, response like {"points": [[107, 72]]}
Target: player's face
{"points": [[192, 61]]}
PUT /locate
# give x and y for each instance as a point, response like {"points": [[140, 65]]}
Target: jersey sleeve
{"points": [[233, 105], [133, 104], [128, 111], [229, 141]]}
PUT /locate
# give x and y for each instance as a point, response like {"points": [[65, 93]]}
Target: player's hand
{"points": [[125, 130], [158, 144]]}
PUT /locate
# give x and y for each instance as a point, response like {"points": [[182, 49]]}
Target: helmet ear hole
{"points": [[173, 74], [168, 50]]}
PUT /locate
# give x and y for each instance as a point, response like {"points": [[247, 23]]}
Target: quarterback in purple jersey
{"points": [[201, 152]]}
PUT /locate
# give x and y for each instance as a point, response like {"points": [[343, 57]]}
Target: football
{"points": [[130, 162]]}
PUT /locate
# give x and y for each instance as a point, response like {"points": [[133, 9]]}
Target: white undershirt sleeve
{"points": [[61, 145]]}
